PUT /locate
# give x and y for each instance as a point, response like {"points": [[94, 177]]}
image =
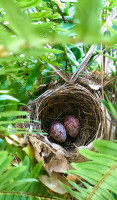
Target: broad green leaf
{"points": [[72, 59], [4, 91], [7, 97], [50, 62], [55, 51]]}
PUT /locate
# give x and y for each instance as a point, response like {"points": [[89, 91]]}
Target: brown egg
{"points": [[58, 132], [72, 125]]}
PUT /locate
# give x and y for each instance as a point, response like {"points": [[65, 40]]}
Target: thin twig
{"points": [[83, 63], [109, 82], [13, 140], [94, 58], [60, 73], [51, 6], [66, 20], [8, 28], [61, 13], [110, 130], [102, 87]]}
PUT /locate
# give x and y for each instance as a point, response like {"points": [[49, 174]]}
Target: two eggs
{"points": [[59, 132]]}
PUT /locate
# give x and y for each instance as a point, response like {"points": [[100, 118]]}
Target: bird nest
{"points": [[55, 105], [69, 99]]}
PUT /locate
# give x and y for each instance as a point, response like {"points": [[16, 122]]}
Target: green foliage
{"points": [[38, 38], [98, 175], [7, 113], [111, 107], [7, 97], [87, 14], [89, 20], [20, 182]]}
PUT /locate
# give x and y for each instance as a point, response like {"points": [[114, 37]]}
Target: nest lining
{"points": [[57, 104]]}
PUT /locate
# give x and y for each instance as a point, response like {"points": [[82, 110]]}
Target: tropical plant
{"points": [[40, 41], [97, 176], [20, 181]]}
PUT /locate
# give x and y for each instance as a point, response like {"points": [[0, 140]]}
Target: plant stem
{"points": [[61, 13], [51, 6]]}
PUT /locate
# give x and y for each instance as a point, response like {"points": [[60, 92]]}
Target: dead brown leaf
{"points": [[52, 182], [52, 155]]}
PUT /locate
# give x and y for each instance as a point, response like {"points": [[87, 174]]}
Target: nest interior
{"points": [[57, 104]]}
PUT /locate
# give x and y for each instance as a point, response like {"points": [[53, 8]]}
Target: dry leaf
{"points": [[52, 155], [94, 86], [52, 182]]}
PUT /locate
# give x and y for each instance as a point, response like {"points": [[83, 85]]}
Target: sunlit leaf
{"points": [[7, 97], [12, 113]]}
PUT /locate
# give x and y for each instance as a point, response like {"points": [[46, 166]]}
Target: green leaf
{"points": [[29, 3], [7, 97], [13, 113], [49, 61], [10, 174], [20, 23], [3, 156], [5, 162], [111, 107], [4, 91], [15, 121], [106, 147], [111, 30], [18, 183], [87, 15], [13, 69], [114, 22], [13, 180], [99, 174]]}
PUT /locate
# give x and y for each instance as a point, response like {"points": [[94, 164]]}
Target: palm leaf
{"points": [[99, 174]]}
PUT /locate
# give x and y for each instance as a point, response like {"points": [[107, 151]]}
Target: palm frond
{"points": [[99, 174]]}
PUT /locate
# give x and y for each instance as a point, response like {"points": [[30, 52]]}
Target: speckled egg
{"points": [[57, 132], [72, 125]]}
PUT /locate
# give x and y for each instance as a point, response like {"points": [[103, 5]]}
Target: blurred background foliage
{"points": [[38, 39]]}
